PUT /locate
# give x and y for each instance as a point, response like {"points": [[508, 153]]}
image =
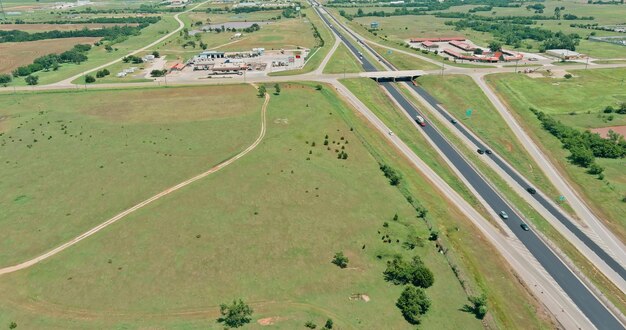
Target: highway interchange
{"points": [[567, 293]]}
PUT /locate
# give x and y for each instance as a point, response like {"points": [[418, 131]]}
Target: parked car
{"points": [[480, 151], [503, 215], [531, 190], [525, 227]]}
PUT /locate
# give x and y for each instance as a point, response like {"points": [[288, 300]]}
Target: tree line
{"points": [[108, 33], [53, 61], [98, 20], [584, 146]]}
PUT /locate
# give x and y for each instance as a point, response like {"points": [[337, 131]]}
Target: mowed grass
{"points": [[16, 54], [589, 90], [481, 265], [286, 33], [343, 61], [403, 61], [264, 229], [71, 160]]}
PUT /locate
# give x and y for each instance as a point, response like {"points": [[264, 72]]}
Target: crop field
{"points": [[577, 102], [172, 263], [98, 55], [59, 27], [15, 54], [69, 158]]}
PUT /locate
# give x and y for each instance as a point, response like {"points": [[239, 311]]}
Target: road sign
{"points": [[389, 52], [468, 112], [561, 198]]}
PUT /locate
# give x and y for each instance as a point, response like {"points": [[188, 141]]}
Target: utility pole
{"points": [[442, 64]]}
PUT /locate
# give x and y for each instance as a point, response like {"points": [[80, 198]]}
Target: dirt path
{"points": [[168, 191]]}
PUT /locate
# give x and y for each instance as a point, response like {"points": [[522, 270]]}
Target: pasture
{"points": [[577, 102], [74, 159], [15, 54], [264, 229]]}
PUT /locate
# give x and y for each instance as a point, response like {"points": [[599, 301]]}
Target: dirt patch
{"points": [[15, 54], [59, 27], [269, 320], [604, 131], [360, 296]]}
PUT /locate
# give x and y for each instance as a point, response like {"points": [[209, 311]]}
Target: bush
{"points": [[310, 325], [236, 314], [340, 260], [158, 73], [413, 303], [391, 174], [415, 272], [5, 78], [478, 306], [32, 80], [329, 324], [595, 169], [568, 76], [90, 79], [608, 109]]}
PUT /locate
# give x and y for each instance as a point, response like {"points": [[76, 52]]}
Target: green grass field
{"points": [[484, 270], [92, 147], [403, 61], [590, 90], [265, 229], [343, 61]]}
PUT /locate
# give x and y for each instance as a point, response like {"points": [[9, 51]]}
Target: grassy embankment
{"points": [[74, 159], [601, 282], [481, 262], [343, 61], [576, 102], [274, 219]]}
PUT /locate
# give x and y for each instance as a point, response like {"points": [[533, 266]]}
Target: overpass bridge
{"points": [[401, 75]]}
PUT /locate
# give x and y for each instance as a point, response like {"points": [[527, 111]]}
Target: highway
{"points": [[586, 301]]}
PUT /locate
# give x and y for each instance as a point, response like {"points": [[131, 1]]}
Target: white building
{"points": [[564, 54]]}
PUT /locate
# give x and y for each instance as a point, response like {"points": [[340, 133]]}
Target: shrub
{"points": [[413, 303], [608, 109], [391, 174], [329, 324], [415, 272], [32, 80], [158, 73], [340, 260], [478, 306], [236, 314], [568, 76], [5, 78], [90, 79], [310, 325]]}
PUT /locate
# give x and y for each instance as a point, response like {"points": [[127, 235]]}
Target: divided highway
{"points": [[582, 296]]}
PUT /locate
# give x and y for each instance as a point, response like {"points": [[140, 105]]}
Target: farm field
{"points": [[59, 27], [589, 91], [98, 55], [79, 152], [15, 54], [174, 261], [483, 271]]}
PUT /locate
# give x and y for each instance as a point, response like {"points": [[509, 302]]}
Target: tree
{"points": [[478, 51], [329, 324], [608, 109], [90, 79], [557, 12], [340, 260], [478, 306], [158, 73], [595, 169], [12, 325], [156, 54], [413, 303], [262, 91], [415, 272], [277, 89], [495, 46], [5, 79], [310, 325], [581, 156], [108, 48], [32, 80], [236, 314], [318, 87]]}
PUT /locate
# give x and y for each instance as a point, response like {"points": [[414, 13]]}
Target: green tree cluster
{"points": [[236, 314], [415, 272]]}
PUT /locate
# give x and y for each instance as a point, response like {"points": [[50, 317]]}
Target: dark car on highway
{"points": [[480, 151], [525, 227], [531, 190]]}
